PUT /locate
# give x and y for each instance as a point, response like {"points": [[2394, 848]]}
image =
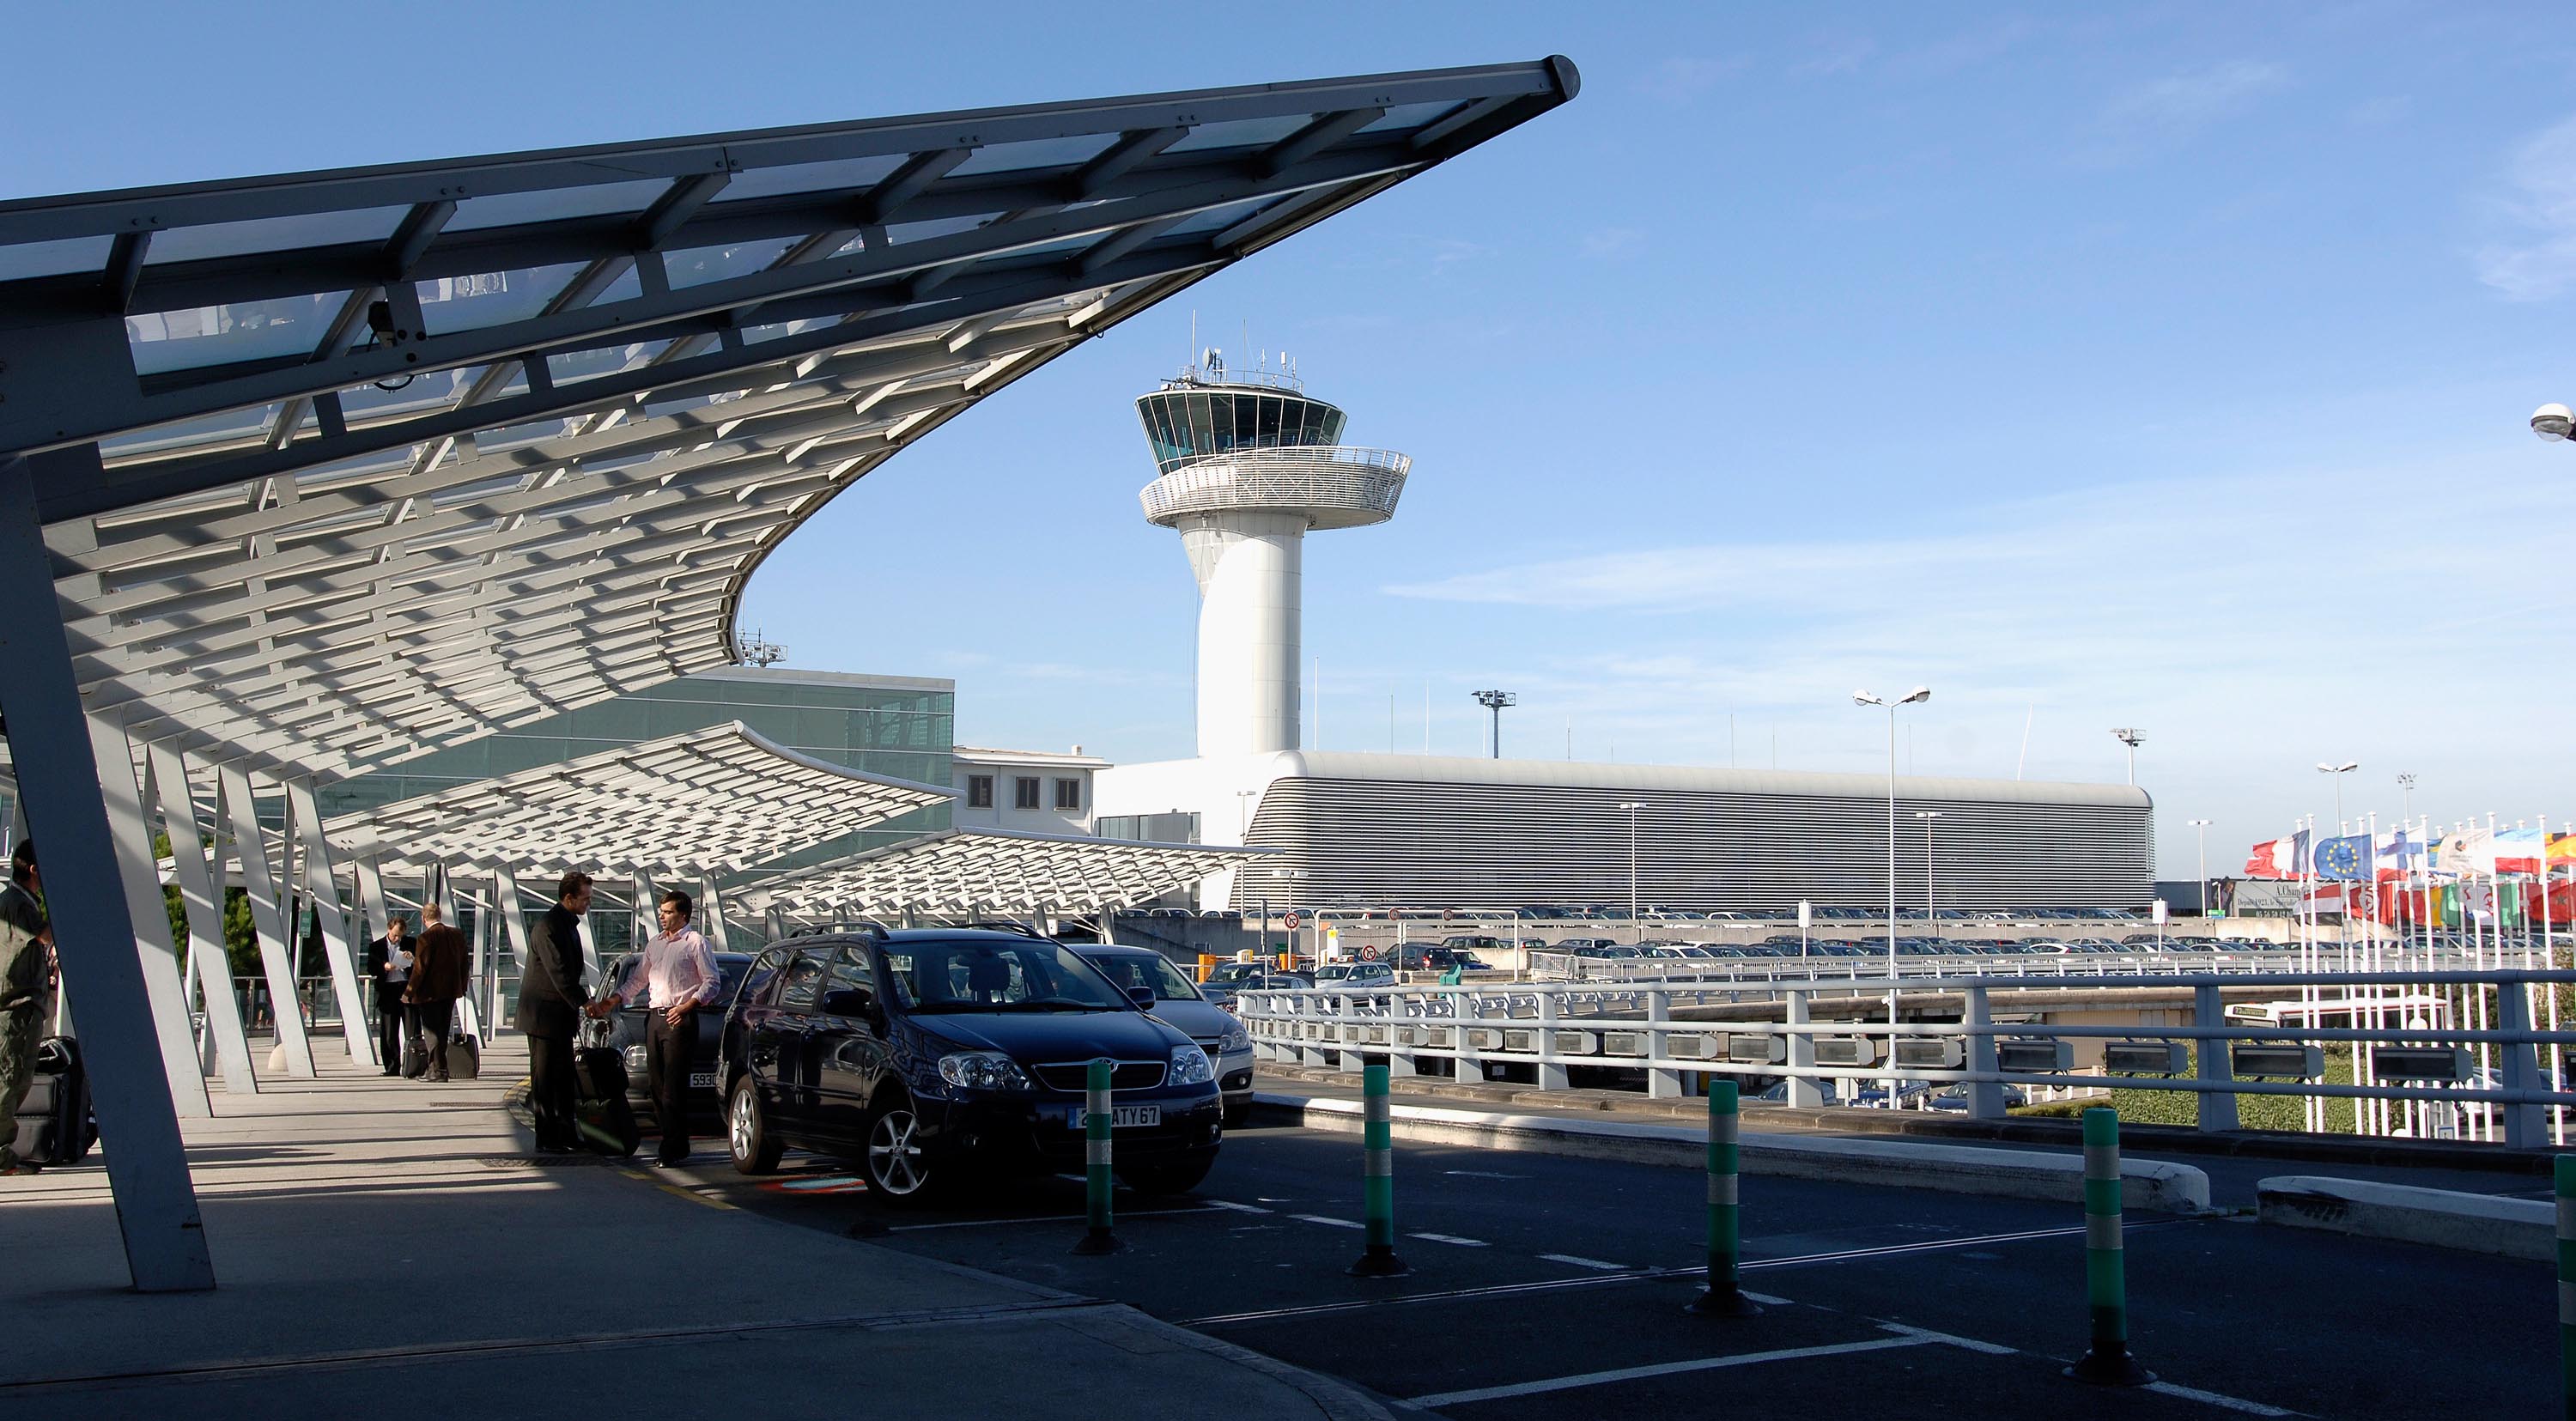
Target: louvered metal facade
{"points": [[1416, 831]]}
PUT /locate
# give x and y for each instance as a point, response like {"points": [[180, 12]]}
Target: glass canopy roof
{"points": [[340, 466]]}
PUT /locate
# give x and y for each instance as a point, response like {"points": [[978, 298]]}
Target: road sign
{"points": [[1294, 921]]}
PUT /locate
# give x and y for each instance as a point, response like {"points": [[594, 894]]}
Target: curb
{"points": [[2403, 1213], [2149, 1185]]}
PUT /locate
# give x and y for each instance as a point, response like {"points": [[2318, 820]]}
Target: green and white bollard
{"points": [[1725, 1294], [2567, 1286], [1377, 1177], [2107, 1362], [1097, 1118]]}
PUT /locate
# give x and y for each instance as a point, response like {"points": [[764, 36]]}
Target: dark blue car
{"points": [[934, 1055]]}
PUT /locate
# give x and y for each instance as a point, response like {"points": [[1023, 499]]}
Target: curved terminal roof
{"points": [[338, 467], [717, 800], [968, 871]]}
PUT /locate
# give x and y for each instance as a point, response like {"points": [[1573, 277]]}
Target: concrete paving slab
{"points": [[362, 1225]]}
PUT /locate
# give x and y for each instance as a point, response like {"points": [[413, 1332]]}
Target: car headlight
{"points": [[982, 1070], [1190, 1066], [1236, 1038]]}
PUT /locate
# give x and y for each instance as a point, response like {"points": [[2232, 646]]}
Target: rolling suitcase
{"points": [[607, 1121], [464, 1057], [54, 1126]]}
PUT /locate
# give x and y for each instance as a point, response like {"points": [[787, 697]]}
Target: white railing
{"points": [[2497, 1026], [1365, 483]]}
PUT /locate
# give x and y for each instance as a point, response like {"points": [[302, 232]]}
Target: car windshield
{"points": [[1136, 969], [997, 975]]}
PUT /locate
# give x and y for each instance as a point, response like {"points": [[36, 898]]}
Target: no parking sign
{"points": [[1294, 920]]}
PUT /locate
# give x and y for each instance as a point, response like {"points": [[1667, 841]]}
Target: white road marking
{"points": [[1238, 1208], [1765, 1299], [1662, 1369], [1991, 1349], [1450, 1238], [1044, 1219], [1324, 1219], [2231, 1403], [1480, 1174], [1585, 1262]]}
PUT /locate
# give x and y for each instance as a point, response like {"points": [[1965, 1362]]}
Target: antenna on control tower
{"points": [[757, 650]]}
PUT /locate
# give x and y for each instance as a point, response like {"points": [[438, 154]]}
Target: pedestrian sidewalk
{"points": [[382, 1243]]}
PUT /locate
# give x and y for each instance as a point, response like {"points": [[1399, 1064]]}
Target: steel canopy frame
{"points": [[309, 474], [967, 871], [713, 801]]}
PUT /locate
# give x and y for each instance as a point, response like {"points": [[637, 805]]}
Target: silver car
{"points": [[1177, 1001]]}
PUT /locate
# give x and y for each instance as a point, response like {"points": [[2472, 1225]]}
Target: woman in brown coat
{"points": [[437, 980]]}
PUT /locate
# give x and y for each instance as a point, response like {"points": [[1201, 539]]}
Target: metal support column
{"points": [[268, 919], [209, 964], [163, 988], [642, 912], [2217, 1107], [58, 779], [1662, 1083], [1551, 1072], [2526, 1126], [322, 887]]}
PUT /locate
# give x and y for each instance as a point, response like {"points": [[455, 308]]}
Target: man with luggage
{"points": [[438, 970], [26, 975], [676, 973], [389, 967], [552, 998]]}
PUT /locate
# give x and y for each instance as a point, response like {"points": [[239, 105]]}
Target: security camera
{"points": [[2552, 422]]}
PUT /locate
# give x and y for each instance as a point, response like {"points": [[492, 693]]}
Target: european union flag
{"points": [[2346, 858]]}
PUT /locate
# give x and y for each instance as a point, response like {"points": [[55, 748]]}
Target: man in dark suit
{"points": [[551, 998], [389, 967], [439, 967]]}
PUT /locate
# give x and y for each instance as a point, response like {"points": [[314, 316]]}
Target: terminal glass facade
{"points": [[1187, 421]]}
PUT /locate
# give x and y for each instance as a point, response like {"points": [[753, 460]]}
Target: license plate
{"points": [[702, 1080], [1120, 1116]]}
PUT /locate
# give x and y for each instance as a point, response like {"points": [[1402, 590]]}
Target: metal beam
{"points": [[164, 990], [58, 779], [322, 889], [210, 966], [259, 881]]}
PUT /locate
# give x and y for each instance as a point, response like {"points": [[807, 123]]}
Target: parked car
{"points": [[1354, 975], [1402, 956], [929, 1056], [1228, 978], [1216, 1030], [1954, 1097], [1443, 959], [630, 1026]]}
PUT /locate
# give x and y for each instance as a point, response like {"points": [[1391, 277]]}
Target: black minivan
{"points": [[930, 1055]]}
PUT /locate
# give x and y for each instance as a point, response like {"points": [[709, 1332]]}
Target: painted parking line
{"points": [[1664, 1369], [2224, 1402], [1239, 1208], [1326, 1219], [1991, 1349], [1594, 1263], [1450, 1238]]}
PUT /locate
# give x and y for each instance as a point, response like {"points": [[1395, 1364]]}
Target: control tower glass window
{"points": [[1187, 422]]}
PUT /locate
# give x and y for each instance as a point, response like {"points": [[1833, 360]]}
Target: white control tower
{"points": [[1249, 463]]}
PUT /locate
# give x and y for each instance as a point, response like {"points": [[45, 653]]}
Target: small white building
{"points": [[1024, 791]]}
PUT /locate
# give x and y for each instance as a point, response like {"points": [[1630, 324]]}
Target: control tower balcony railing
{"points": [[1335, 486]]}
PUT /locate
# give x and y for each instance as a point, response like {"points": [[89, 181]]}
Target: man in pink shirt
{"points": [[677, 974]]}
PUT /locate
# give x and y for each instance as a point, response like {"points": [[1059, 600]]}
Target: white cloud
{"points": [[2536, 208], [1843, 55], [2174, 108], [1612, 242]]}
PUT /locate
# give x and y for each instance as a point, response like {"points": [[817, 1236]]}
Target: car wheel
{"points": [[747, 1136], [1169, 1176], [898, 1168]]}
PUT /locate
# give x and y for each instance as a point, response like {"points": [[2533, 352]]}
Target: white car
{"points": [[1354, 974]]}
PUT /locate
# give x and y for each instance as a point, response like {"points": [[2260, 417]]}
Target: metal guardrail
{"points": [[2493, 1016], [1569, 967]]}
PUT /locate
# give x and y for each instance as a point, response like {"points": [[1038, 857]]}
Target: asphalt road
{"points": [[1553, 1287]]}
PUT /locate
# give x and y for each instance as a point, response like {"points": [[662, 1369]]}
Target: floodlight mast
{"points": [[1495, 701]]}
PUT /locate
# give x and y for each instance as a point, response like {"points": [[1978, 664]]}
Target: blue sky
{"points": [[2165, 368]]}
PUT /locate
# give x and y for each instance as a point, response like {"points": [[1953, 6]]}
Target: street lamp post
{"points": [[1916, 696], [1636, 925], [2202, 825], [2132, 737]]}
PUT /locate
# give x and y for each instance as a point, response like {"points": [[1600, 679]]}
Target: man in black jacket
{"points": [[389, 967], [551, 998]]}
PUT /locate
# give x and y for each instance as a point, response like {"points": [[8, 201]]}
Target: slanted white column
{"points": [[267, 917], [711, 918], [209, 965], [162, 986], [322, 887]]}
